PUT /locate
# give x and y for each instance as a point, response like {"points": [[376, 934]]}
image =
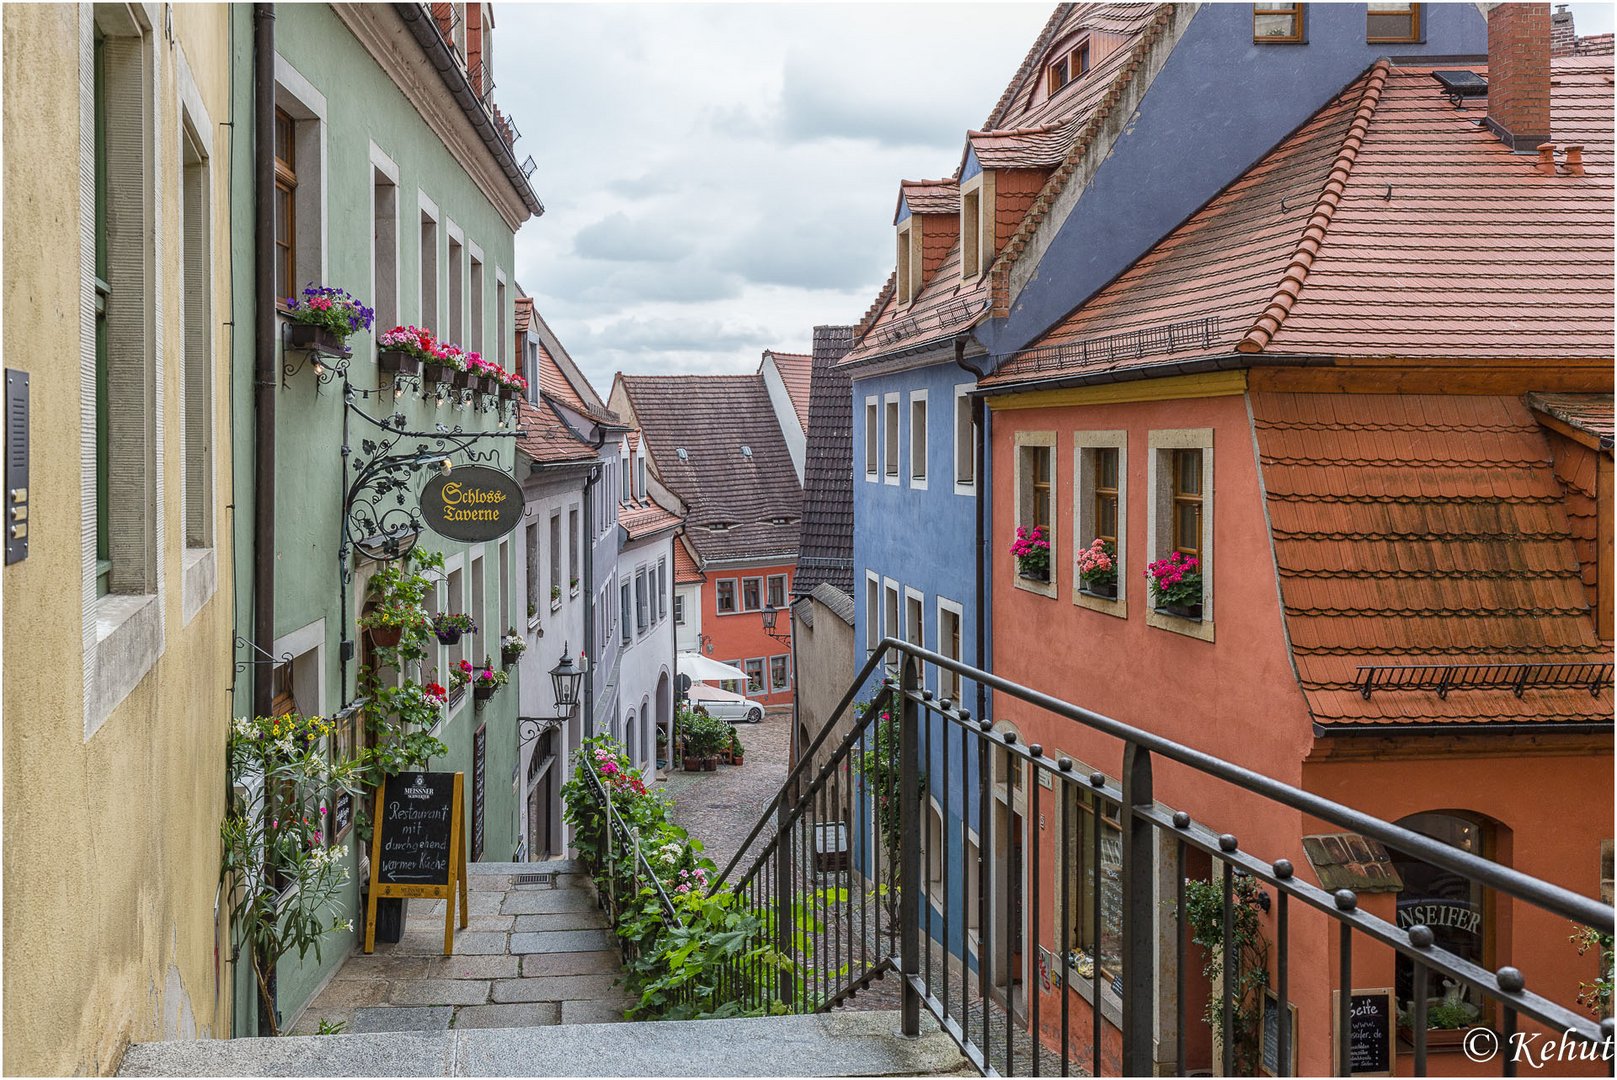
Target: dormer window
{"points": [[1071, 66], [1080, 61], [971, 229], [1060, 75]]}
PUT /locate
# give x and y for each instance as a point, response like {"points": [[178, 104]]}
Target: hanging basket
{"points": [[384, 637], [482, 692], [449, 637]]}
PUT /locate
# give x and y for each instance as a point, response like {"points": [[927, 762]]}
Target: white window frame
{"points": [[741, 594], [384, 165], [1083, 524], [476, 305], [1023, 488], [918, 482], [904, 273], [962, 399], [970, 269], [892, 615], [873, 600], [199, 568], [504, 335], [785, 591], [735, 596], [873, 441], [784, 685], [892, 441], [1158, 523], [949, 685], [454, 329], [918, 599], [428, 316], [299, 98]]}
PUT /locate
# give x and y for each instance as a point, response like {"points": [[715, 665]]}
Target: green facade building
{"points": [[395, 180]]}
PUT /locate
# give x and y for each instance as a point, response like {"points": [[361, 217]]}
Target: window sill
{"points": [[128, 641], [891, 480], [1201, 629], [1106, 605], [555, 605], [1033, 585], [199, 578], [1111, 1007], [533, 623], [573, 592]]}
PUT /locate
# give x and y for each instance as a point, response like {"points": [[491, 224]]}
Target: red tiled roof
{"points": [[1388, 225], [1589, 413], [946, 306], [546, 439], [685, 570], [524, 313], [1041, 147], [929, 196], [642, 517], [556, 386], [634, 440], [1410, 530], [796, 372]]}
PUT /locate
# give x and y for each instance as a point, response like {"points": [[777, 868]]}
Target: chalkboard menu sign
{"points": [[1271, 1035], [342, 814], [416, 848], [1372, 1019], [479, 759], [415, 824]]}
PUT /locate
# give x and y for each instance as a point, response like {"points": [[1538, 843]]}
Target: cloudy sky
{"points": [[718, 178]]}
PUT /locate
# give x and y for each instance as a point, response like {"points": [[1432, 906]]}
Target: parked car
{"points": [[726, 705]]}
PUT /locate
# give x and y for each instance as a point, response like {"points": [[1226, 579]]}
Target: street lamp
{"points": [[770, 614], [566, 679]]}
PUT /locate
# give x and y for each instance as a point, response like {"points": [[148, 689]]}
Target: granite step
{"points": [[831, 1044]]}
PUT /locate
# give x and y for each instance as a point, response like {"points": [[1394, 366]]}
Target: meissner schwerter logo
{"points": [[419, 789], [1534, 1048]]}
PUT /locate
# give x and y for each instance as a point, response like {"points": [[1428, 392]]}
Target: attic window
{"points": [[970, 232], [1060, 75], [681, 454], [904, 290], [746, 452], [718, 526], [1277, 23], [1070, 67]]}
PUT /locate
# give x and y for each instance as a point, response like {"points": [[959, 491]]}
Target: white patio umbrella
{"points": [[701, 669]]}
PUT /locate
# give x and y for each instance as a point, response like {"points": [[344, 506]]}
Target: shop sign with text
{"points": [[471, 504]]}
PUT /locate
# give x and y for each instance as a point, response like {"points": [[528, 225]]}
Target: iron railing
{"points": [[942, 904], [1590, 676], [620, 840]]}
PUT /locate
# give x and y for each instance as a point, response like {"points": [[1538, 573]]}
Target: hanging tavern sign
{"points": [[472, 503]]}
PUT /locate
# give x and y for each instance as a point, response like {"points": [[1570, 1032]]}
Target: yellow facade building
{"points": [[118, 622]]}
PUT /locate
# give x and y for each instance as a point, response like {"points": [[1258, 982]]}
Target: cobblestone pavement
{"points": [[720, 808], [530, 955]]}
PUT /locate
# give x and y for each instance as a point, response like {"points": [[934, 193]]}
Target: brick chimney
{"points": [[1563, 32], [1519, 74]]}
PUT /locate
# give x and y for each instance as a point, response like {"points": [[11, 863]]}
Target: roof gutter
{"points": [[1542, 727], [432, 43], [1223, 362]]}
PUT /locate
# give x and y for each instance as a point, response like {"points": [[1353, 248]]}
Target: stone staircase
{"points": [[830, 1044]]}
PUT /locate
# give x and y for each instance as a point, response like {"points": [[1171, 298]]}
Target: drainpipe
{"points": [[263, 351], [979, 415], [589, 595]]}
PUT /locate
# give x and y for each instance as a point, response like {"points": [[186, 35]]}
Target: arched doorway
{"points": [[665, 717], [628, 736]]}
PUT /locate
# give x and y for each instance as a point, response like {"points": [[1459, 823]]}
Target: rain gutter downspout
{"points": [[978, 418], [263, 352]]}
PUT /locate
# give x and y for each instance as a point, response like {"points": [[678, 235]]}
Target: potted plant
{"points": [[1448, 1018], [736, 750], [1176, 585], [1031, 549], [573, 585], [322, 319], [451, 625], [486, 680], [555, 597], [1097, 568], [511, 647], [402, 350], [385, 621], [441, 361]]}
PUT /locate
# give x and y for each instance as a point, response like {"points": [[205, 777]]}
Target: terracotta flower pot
{"points": [[398, 362], [385, 637], [315, 339]]}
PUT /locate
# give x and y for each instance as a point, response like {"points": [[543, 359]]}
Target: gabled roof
{"points": [[1422, 529], [1040, 147], [1389, 225], [1588, 413], [547, 440], [795, 373], [736, 476], [826, 552], [946, 306], [686, 572], [561, 380], [928, 197], [524, 313], [641, 518]]}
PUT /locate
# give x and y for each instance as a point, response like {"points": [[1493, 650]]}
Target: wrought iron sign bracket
{"points": [[262, 657]]}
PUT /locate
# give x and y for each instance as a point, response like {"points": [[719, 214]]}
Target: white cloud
{"points": [[719, 178]]}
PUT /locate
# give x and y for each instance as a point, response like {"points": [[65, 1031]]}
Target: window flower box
{"points": [[433, 373], [462, 380], [315, 339], [398, 362], [1097, 569], [508, 392], [1176, 585], [1031, 549]]}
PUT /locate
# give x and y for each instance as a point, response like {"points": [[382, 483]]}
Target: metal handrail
{"points": [[620, 830], [787, 871]]}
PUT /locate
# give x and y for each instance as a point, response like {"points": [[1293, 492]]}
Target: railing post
{"points": [[785, 922], [1139, 917], [909, 845]]}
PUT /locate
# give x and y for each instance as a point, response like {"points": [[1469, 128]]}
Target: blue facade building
{"points": [[1121, 122]]}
